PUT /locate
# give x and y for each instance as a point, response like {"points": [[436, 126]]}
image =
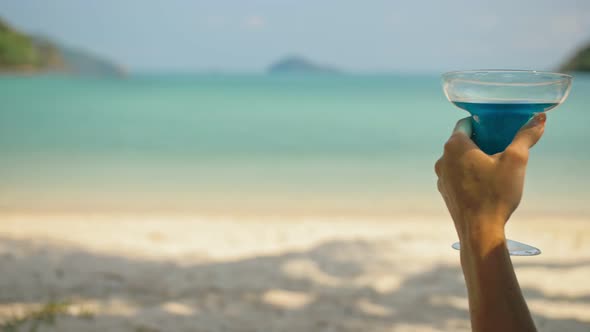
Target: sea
{"points": [[257, 145]]}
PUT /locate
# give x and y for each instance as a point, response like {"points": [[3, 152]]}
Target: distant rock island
{"points": [[24, 54], [579, 62], [299, 65]]}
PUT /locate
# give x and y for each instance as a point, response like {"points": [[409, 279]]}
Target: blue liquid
{"points": [[496, 124]]}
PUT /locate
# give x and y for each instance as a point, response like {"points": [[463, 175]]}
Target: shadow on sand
{"points": [[326, 288]]}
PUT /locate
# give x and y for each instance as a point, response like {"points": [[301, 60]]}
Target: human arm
{"points": [[481, 193]]}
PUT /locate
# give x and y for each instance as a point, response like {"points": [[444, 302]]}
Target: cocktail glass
{"points": [[500, 103]]}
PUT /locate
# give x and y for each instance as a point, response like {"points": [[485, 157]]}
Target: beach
{"points": [[183, 273], [250, 166], [263, 203]]}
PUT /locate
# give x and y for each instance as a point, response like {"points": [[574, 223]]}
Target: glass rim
{"points": [[559, 77]]}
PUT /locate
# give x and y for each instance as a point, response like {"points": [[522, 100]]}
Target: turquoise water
{"points": [[255, 144], [496, 124]]}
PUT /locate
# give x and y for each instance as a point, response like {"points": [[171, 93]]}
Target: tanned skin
{"points": [[481, 193]]}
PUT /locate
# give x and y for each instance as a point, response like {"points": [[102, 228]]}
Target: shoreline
{"points": [[257, 214]]}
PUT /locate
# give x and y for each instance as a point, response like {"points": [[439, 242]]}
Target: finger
{"points": [[526, 138], [463, 126], [460, 139], [531, 132]]}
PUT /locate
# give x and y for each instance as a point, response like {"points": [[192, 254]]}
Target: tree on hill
{"points": [[579, 62], [19, 52]]}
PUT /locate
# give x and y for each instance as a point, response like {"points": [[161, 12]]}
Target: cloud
{"points": [[254, 22]]}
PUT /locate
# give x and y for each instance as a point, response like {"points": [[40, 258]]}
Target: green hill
{"points": [[19, 52], [579, 62], [22, 53]]}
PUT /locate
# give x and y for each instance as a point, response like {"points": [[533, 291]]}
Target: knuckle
{"points": [[437, 167], [516, 155], [450, 144], [454, 142]]}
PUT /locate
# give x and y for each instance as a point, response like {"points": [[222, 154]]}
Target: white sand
{"points": [[274, 274]]}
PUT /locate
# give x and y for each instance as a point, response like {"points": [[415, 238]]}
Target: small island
{"points": [[25, 54], [580, 62], [299, 65]]}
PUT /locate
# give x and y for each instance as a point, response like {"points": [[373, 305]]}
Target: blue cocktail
{"points": [[500, 103], [496, 124]]}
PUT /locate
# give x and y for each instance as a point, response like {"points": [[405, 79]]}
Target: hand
{"points": [[482, 191]]}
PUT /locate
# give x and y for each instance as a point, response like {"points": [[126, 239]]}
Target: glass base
{"points": [[515, 248]]}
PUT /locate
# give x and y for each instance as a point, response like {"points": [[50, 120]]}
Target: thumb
{"points": [[530, 133], [464, 126]]}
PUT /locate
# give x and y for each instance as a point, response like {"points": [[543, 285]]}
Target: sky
{"points": [[358, 36]]}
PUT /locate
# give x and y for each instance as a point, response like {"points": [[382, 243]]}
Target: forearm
{"points": [[495, 299]]}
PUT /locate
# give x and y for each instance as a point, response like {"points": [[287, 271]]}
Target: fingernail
{"points": [[538, 119]]}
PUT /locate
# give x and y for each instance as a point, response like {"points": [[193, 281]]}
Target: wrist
{"points": [[482, 234]]}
